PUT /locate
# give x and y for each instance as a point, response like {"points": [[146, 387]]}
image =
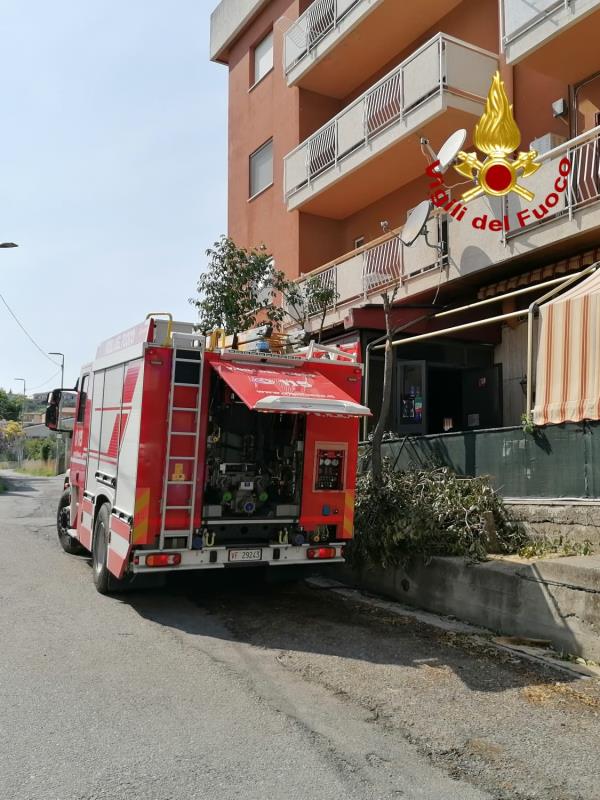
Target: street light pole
{"points": [[20, 451], [62, 368], [24, 396]]}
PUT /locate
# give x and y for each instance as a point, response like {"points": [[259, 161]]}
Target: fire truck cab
{"points": [[190, 453]]}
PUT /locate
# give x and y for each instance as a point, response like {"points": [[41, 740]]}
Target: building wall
{"points": [[256, 114]]}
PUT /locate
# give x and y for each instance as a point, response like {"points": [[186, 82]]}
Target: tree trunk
{"points": [[388, 371]]}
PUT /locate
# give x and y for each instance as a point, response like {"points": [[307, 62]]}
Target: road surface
{"points": [[225, 687]]}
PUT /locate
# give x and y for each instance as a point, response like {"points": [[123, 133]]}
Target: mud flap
{"points": [[119, 547]]}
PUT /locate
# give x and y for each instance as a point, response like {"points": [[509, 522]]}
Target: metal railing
{"points": [[583, 183], [535, 18], [386, 263], [443, 64], [318, 20]]}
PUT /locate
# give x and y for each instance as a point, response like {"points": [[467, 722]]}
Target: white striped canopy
{"points": [[568, 362]]}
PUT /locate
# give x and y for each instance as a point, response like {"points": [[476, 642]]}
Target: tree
{"points": [[304, 298], [238, 287], [11, 435], [10, 406]]}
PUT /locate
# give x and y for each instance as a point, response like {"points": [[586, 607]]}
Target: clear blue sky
{"points": [[112, 171]]}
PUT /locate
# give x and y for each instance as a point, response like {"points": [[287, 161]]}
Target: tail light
{"points": [[163, 559], [315, 553]]}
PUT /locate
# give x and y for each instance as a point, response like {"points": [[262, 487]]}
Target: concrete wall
{"points": [[554, 599]]}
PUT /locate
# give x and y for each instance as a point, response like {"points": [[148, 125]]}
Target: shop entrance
{"points": [[437, 398]]}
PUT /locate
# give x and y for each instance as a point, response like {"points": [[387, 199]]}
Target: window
{"points": [[263, 57], [82, 399], [359, 242], [261, 168]]}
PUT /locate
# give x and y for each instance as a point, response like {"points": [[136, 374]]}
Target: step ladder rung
{"points": [[182, 458], [195, 410], [184, 433], [178, 508], [180, 483], [189, 385], [187, 360]]}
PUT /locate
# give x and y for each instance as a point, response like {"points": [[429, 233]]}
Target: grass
{"points": [[544, 548], [38, 471]]}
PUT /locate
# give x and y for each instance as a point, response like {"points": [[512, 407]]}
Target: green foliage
{"points": [[237, 288], [10, 406], [428, 512], [304, 298], [39, 449], [559, 546], [528, 424]]}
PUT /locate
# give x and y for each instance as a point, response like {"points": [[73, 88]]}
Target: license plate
{"points": [[245, 555]]}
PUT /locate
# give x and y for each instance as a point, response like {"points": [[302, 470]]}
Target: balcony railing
{"points": [[317, 21], [520, 16], [583, 182], [384, 264], [526, 24], [443, 64]]}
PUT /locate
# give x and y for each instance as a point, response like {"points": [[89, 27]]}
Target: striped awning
{"points": [[564, 267], [568, 363]]}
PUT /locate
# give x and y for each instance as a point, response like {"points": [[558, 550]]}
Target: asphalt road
{"points": [[223, 687]]}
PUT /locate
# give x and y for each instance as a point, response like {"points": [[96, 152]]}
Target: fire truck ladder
{"points": [[186, 373]]}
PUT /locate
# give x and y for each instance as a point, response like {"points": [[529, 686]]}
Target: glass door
{"points": [[411, 397]]}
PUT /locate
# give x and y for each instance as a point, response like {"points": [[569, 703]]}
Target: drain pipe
{"points": [[368, 351], [530, 315]]}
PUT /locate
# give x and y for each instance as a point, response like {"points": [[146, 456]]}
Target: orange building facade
{"points": [[336, 109]]}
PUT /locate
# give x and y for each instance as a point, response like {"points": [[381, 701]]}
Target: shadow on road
{"points": [[15, 484], [242, 606]]}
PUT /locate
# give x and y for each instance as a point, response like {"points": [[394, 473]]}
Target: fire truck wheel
{"points": [[100, 550], [68, 543]]}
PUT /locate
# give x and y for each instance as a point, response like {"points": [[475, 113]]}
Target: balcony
{"points": [[335, 43], [569, 227], [543, 31], [359, 277], [577, 214], [372, 146]]}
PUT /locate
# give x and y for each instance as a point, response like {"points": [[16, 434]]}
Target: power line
{"points": [[31, 339], [45, 383]]}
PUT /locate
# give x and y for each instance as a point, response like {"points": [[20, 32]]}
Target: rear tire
{"points": [[68, 543], [104, 581]]}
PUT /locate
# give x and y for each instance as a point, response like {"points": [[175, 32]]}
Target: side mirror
{"points": [[51, 419], [60, 413]]}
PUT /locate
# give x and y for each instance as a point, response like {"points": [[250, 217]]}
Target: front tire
{"points": [[68, 543]]}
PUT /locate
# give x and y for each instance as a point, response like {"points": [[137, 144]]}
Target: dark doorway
{"points": [[445, 399], [482, 397]]}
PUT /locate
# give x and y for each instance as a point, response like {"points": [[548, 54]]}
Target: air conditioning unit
{"points": [[547, 142]]}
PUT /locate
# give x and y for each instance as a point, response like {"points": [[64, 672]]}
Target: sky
{"points": [[112, 172]]}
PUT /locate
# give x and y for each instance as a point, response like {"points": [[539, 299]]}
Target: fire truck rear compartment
{"points": [[253, 477]]}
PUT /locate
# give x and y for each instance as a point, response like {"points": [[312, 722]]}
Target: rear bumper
{"points": [[218, 558]]}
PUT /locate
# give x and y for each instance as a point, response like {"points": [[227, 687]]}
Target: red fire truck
{"points": [[188, 455]]}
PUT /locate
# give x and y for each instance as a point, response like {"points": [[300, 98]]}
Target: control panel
{"points": [[329, 471]]}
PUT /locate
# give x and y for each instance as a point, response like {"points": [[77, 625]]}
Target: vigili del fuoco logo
{"points": [[497, 135]]}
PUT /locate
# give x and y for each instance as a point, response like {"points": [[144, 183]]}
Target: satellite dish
{"points": [[450, 149], [417, 219]]}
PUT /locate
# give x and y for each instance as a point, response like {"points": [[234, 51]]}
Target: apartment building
{"points": [[336, 109]]}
